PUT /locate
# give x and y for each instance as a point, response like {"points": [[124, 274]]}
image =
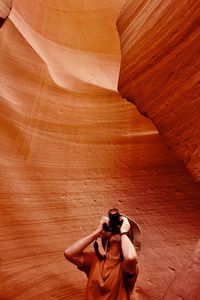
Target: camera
{"points": [[114, 221]]}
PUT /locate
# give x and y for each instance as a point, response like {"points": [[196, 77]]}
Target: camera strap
{"points": [[96, 249]]}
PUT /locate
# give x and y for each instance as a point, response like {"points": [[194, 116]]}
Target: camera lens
{"points": [[114, 217]]}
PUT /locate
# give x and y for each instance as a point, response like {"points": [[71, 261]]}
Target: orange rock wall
{"points": [[160, 70], [72, 147], [186, 283]]}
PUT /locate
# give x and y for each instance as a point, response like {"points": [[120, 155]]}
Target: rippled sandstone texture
{"points": [[160, 70], [186, 283], [71, 148]]}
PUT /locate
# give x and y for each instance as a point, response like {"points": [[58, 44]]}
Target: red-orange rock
{"points": [[71, 148], [5, 8], [186, 284], [160, 70]]}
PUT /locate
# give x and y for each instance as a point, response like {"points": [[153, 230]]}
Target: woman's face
{"points": [[115, 238]]}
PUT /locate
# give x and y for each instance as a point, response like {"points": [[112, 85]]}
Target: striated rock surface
{"points": [[186, 284], [5, 8], [160, 70], [72, 147]]}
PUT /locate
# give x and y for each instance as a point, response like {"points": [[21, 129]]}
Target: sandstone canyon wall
{"points": [[72, 147], [160, 70], [186, 283]]}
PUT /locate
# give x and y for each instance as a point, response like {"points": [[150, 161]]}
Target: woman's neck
{"points": [[114, 252]]}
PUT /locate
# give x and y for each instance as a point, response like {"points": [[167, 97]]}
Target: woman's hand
{"points": [[125, 225], [104, 220]]}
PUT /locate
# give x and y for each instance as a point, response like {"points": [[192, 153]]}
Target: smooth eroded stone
{"points": [[160, 70], [71, 148], [186, 284]]}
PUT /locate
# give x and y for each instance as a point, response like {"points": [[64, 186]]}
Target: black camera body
{"points": [[114, 221]]}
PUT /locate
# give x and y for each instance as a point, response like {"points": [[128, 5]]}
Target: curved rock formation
{"points": [[5, 8], [160, 70], [71, 148]]}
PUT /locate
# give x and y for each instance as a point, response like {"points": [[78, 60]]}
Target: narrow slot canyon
{"points": [[99, 109]]}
